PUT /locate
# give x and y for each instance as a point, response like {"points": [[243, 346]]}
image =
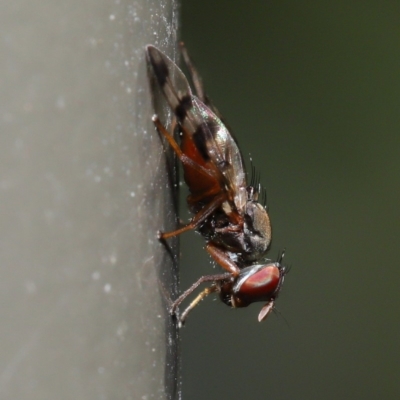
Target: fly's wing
{"points": [[170, 78], [198, 84], [210, 135]]}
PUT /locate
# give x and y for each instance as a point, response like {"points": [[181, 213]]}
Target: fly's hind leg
{"points": [[207, 210], [185, 160], [197, 220]]}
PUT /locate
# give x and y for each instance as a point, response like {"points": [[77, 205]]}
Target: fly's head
{"points": [[255, 283]]}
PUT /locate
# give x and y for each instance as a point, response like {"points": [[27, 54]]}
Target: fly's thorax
{"points": [[257, 230], [249, 236]]}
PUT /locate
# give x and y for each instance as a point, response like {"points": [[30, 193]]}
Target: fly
{"points": [[226, 209]]}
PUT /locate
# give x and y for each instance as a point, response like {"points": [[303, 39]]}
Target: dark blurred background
{"points": [[312, 92]]}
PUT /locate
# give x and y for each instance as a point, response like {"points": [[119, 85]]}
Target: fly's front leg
{"points": [[201, 296], [222, 258]]}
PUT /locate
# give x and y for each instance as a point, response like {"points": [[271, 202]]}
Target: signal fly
{"points": [[225, 207]]}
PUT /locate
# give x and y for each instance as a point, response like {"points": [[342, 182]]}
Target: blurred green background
{"points": [[312, 91]]}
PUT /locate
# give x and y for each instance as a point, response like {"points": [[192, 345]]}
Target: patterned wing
{"points": [[210, 135]]}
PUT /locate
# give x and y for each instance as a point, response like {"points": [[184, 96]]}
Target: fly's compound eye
{"points": [[258, 283]]}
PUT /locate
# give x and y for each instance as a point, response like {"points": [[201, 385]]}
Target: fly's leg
{"points": [[225, 262], [202, 279], [197, 220], [197, 300], [204, 293], [206, 211], [222, 259], [185, 160]]}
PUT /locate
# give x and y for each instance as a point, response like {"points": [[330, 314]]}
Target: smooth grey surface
{"points": [[83, 190]]}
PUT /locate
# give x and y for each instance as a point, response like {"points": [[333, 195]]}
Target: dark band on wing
{"points": [[160, 70], [205, 132], [200, 141], [208, 128], [185, 104]]}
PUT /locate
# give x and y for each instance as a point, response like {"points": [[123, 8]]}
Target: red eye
{"points": [[259, 285]]}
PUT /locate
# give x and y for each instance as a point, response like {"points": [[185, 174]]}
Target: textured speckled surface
{"points": [[83, 190]]}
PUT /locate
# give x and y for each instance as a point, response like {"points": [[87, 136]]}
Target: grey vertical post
{"points": [[85, 184]]}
